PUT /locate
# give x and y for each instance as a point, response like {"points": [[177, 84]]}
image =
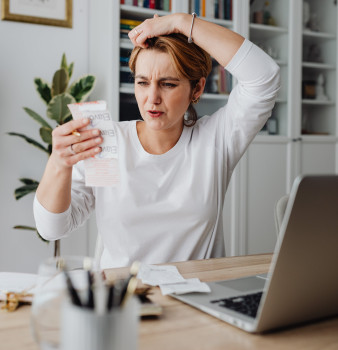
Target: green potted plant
{"points": [[56, 95]]}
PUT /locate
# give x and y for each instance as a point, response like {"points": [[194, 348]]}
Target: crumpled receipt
{"points": [[188, 286], [103, 169], [170, 280], [156, 275]]}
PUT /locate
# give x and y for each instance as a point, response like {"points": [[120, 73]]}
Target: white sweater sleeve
{"points": [[250, 102], [53, 226]]}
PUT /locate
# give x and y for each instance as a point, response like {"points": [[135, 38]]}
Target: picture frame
{"points": [[46, 12]]}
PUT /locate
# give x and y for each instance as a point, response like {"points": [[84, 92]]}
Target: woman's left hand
{"points": [[153, 27]]}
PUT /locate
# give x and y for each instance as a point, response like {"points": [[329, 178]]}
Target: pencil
{"points": [[72, 291], [128, 291]]}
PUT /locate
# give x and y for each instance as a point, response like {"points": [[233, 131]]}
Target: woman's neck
{"points": [[157, 141]]}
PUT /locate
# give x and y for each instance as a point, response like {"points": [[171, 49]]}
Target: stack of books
{"points": [[221, 9], [126, 25], [164, 5], [219, 80]]}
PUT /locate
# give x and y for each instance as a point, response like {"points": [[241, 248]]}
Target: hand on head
{"points": [[69, 147], [151, 28]]}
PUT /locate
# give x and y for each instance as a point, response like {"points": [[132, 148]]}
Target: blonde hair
{"points": [[189, 60]]}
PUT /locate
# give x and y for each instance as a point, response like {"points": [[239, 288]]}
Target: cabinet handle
{"points": [[297, 139]]}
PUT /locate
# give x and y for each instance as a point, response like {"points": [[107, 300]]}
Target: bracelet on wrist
{"points": [[190, 40]]}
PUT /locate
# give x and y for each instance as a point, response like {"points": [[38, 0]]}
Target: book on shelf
{"points": [[129, 22], [220, 9], [126, 25], [164, 5], [124, 60], [127, 86], [219, 80], [126, 78]]}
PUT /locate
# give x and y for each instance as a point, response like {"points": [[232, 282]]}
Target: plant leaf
{"points": [[46, 134], [70, 70], [60, 82], [65, 66], [64, 62], [24, 227], [24, 190], [37, 117], [82, 88], [27, 181], [44, 90], [29, 228], [29, 140], [57, 108]]}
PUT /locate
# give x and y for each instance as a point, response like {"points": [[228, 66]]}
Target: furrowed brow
{"points": [[169, 78], [142, 77]]}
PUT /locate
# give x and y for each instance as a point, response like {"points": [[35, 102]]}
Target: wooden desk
{"points": [[183, 327]]}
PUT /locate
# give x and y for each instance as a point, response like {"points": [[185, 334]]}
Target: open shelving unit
{"points": [[306, 140], [319, 61]]}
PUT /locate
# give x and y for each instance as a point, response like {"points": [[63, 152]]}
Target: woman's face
{"points": [[162, 96]]}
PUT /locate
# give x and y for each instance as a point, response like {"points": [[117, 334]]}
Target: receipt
{"points": [[170, 281], [155, 275], [188, 286], [103, 169]]}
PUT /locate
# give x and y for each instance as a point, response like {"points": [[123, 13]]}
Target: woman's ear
{"points": [[199, 88]]}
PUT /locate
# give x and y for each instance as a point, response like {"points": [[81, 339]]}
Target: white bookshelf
{"points": [[268, 169], [319, 57]]}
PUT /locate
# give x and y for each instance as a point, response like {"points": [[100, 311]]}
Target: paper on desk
{"points": [[17, 282], [155, 275], [188, 286], [170, 280], [103, 169]]}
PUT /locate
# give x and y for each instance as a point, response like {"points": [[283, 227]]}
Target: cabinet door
{"points": [[231, 246], [318, 158], [266, 183]]}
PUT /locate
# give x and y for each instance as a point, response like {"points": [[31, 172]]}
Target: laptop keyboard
{"points": [[245, 304]]}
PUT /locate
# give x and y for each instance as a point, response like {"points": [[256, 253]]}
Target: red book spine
{"points": [[152, 4]]}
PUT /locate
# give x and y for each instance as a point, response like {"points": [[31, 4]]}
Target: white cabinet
{"points": [[307, 125], [266, 162], [302, 37], [317, 157], [318, 125], [266, 182]]}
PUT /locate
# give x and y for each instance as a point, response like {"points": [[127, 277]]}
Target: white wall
{"points": [[27, 51]]}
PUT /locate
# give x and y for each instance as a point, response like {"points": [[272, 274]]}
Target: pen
{"points": [[110, 302], [100, 295], [90, 300], [72, 291]]}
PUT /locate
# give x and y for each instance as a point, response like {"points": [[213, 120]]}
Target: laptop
{"points": [[302, 283]]}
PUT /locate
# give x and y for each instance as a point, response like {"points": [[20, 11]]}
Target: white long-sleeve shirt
{"points": [[169, 207]]}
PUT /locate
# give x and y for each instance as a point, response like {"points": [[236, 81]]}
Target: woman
{"points": [[174, 172]]}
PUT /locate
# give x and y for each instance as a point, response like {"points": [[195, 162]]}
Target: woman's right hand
{"points": [[69, 148]]}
